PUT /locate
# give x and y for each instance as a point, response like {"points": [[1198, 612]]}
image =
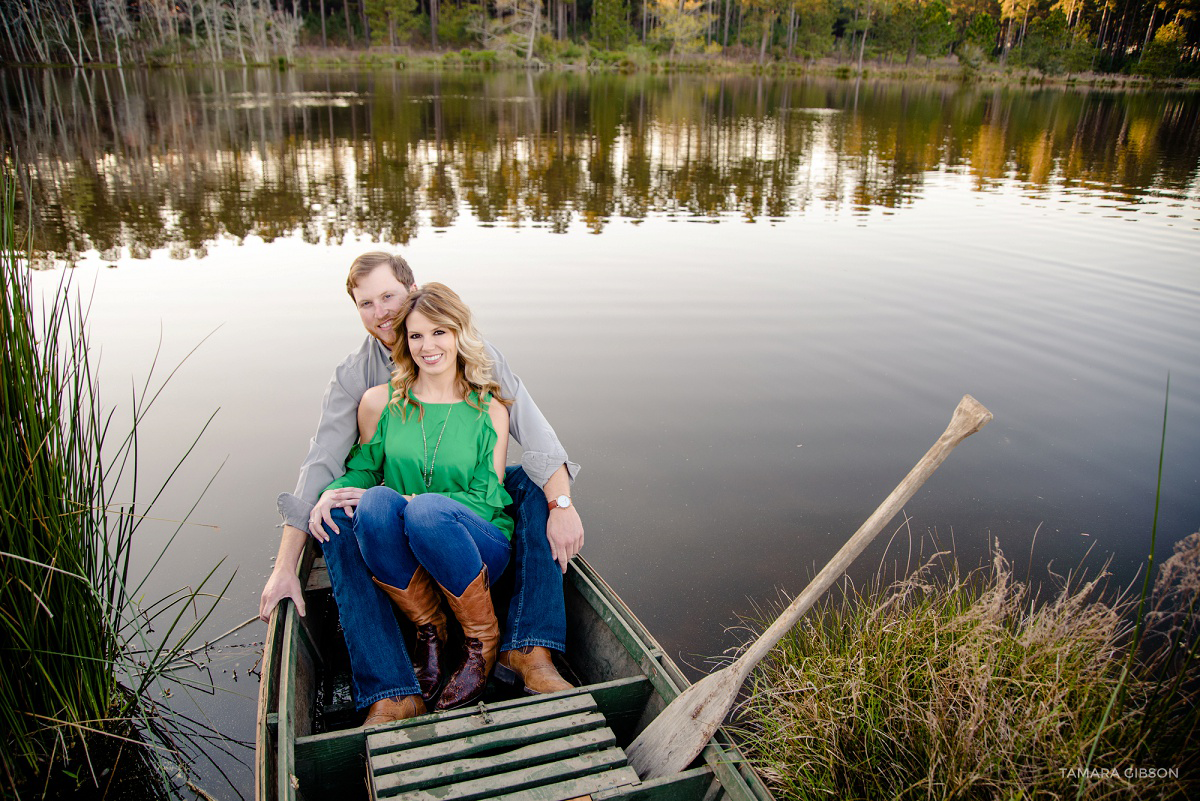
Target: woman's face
{"points": [[434, 348]]}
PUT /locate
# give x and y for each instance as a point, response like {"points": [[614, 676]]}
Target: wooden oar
{"points": [[680, 732]]}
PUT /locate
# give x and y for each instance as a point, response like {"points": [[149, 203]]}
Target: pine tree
{"points": [[392, 21], [610, 23]]}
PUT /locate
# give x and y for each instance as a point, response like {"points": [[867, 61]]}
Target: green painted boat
{"points": [[568, 745]]}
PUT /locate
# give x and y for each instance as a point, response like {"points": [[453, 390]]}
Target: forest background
{"points": [[1159, 39]]}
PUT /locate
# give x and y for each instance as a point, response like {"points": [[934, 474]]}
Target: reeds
{"points": [[80, 662], [959, 686]]}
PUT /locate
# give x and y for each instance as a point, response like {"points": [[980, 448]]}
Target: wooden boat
{"points": [[567, 745]]}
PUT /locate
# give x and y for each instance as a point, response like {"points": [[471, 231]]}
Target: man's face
{"points": [[378, 296]]}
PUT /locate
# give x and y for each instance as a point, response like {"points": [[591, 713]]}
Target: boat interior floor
{"points": [[554, 747]]}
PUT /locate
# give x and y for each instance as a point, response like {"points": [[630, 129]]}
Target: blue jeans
{"points": [[379, 660], [380, 666], [537, 612], [397, 536]]}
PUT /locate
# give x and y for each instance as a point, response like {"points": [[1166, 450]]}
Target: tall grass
{"points": [[947, 685], [82, 663]]}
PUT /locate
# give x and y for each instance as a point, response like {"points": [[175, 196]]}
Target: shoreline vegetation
{"points": [[950, 684], [89, 661], [994, 41], [635, 61]]}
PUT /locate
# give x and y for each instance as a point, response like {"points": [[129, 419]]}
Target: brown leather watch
{"points": [[561, 502]]}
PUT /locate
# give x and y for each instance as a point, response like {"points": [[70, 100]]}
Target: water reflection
{"points": [[143, 161], [741, 395]]}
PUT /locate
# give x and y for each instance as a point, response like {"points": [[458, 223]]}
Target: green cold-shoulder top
{"points": [[462, 470]]}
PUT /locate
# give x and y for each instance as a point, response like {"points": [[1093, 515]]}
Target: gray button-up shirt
{"points": [[337, 431]]}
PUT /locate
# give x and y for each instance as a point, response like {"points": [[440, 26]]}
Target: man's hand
{"points": [[281, 584], [564, 529]]}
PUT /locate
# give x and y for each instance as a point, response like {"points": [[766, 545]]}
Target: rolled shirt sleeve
{"points": [[337, 431], [543, 453]]}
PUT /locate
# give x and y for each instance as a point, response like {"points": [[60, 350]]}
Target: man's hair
{"points": [[368, 262]]}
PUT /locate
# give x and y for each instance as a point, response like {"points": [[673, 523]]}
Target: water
{"points": [[747, 306]]}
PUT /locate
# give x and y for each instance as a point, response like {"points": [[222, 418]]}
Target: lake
{"points": [[748, 306]]}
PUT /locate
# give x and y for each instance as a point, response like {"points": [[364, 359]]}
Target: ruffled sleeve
{"points": [[485, 493], [364, 465]]}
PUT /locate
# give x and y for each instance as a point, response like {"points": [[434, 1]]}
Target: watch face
{"points": [[563, 501]]}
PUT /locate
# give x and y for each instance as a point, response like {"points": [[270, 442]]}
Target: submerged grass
{"points": [[951, 685], [82, 661]]}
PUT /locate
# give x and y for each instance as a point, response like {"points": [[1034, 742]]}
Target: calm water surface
{"points": [[747, 306]]}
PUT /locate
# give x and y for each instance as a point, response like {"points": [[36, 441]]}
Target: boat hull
{"points": [[309, 746]]}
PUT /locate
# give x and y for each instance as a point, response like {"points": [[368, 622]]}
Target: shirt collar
{"points": [[384, 351]]}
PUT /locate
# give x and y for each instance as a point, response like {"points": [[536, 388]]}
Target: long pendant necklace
{"points": [[426, 462]]}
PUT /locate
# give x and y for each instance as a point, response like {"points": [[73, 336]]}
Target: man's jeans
{"points": [[379, 660], [537, 613]]}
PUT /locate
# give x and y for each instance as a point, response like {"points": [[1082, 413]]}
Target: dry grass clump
{"points": [[951, 686]]}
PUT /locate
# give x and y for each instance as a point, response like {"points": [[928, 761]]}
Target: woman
{"points": [[437, 436]]}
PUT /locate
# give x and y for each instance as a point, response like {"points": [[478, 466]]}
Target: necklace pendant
{"points": [[428, 462]]}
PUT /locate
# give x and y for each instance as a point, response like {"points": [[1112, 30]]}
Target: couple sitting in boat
{"points": [[422, 508]]}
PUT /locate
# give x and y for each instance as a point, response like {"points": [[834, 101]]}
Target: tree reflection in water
{"points": [[177, 159]]}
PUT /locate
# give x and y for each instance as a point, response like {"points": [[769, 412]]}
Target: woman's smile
{"points": [[433, 347]]}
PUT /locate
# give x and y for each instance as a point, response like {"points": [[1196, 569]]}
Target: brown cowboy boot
{"points": [[532, 667], [389, 710], [422, 604], [481, 637]]}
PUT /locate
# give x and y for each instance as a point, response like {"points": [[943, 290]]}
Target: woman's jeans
{"points": [[396, 536], [379, 660]]}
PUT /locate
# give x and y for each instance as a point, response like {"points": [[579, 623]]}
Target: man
{"points": [[536, 621]]}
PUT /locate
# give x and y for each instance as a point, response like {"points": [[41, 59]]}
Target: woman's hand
{"points": [[322, 513]]}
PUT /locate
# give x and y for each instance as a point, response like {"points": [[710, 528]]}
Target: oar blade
{"points": [[673, 739]]}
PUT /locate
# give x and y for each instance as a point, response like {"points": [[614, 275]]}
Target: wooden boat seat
{"points": [[550, 748]]}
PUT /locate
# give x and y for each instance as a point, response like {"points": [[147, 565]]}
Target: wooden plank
{"points": [[286, 756], [572, 788], [689, 785], [333, 764], [609, 764], [305, 684], [274, 738], [310, 641], [267, 724], [622, 697], [318, 576], [489, 740], [754, 787], [724, 763], [425, 730], [460, 770], [297, 694]]}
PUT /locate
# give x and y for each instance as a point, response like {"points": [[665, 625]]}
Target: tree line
{"points": [[1160, 38]]}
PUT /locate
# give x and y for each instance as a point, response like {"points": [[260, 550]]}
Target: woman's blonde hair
{"points": [[473, 368]]}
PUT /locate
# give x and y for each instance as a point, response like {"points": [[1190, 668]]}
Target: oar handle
{"points": [[969, 416]]}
